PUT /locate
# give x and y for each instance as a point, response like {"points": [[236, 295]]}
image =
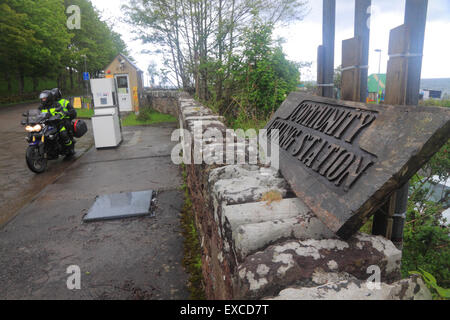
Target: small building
{"points": [[437, 89], [129, 79], [427, 94], [376, 82]]}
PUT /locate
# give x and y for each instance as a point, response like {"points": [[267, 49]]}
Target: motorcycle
{"points": [[44, 138]]}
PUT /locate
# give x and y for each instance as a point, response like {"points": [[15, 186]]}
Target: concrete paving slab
{"points": [[89, 180], [139, 142]]}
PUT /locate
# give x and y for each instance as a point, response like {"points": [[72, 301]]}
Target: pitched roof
{"points": [[128, 60]]}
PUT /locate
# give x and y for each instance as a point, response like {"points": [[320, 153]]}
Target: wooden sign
{"points": [[344, 159], [77, 103]]}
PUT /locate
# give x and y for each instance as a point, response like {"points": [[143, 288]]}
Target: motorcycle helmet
{"points": [[47, 99], [57, 94]]}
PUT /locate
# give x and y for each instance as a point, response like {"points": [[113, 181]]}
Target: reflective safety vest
{"points": [[52, 111], [64, 103]]}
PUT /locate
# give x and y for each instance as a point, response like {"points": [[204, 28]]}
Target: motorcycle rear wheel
{"points": [[35, 161]]}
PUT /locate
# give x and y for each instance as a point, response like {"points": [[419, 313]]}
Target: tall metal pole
{"points": [[85, 82], [328, 35], [362, 30], [85, 70]]}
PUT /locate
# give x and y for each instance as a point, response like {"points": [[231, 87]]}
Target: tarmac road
{"points": [[18, 185], [134, 258]]}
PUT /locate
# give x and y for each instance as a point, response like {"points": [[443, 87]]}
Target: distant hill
{"points": [[442, 84]]}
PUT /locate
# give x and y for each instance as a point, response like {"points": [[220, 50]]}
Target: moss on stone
{"points": [[192, 260]]}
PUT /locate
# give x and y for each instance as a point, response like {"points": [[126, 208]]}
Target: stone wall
{"points": [[164, 101], [260, 247]]}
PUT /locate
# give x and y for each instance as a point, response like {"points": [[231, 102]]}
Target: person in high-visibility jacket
{"points": [[65, 104], [49, 105], [69, 110]]}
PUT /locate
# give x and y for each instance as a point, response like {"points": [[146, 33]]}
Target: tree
{"points": [[337, 79], [95, 39], [33, 45], [152, 72], [262, 77], [198, 36], [35, 41], [16, 39]]}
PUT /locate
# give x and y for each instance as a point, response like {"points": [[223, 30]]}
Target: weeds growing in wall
{"points": [[192, 260]]}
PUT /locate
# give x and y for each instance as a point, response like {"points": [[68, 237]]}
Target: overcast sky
{"points": [[303, 38]]}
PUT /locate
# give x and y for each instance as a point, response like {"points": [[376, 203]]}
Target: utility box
{"points": [[104, 93], [106, 120]]}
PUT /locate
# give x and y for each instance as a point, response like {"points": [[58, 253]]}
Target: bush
{"points": [[426, 236], [144, 114], [261, 78], [435, 103]]}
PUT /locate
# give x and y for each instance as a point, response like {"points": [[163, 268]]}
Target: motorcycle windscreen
{"points": [[35, 116]]}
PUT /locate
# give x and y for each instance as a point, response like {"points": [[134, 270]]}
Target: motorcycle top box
{"points": [[79, 128]]}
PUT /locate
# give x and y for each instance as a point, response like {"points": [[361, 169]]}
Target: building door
{"points": [[123, 92]]}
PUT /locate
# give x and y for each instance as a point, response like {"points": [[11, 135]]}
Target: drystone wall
{"points": [[164, 101], [257, 246]]}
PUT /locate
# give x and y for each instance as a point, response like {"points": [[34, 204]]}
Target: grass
{"points": [[84, 113], [256, 124], [147, 116], [435, 103]]}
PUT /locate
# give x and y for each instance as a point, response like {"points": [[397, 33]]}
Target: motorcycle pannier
{"points": [[79, 128]]}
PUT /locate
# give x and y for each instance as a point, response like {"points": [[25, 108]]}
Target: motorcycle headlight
{"points": [[35, 128]]}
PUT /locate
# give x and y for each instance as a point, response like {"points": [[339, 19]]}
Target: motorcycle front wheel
{"points": [[35, 161]]}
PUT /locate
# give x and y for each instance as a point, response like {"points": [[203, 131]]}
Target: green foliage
{"points": [[436, 103], [367, 227], [337, 79], [261, 79], [199, 41], [94, 39], [44, 83], [35, 40], [84, 113], [35, 43], [245, 123], [192, 259], [426, 236], [430, 280]]}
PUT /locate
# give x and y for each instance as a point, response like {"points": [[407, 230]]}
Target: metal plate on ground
{"points": [[120, 205]]}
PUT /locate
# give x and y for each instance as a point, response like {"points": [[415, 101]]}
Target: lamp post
{"points": [[379, 71], [85, 81]]}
